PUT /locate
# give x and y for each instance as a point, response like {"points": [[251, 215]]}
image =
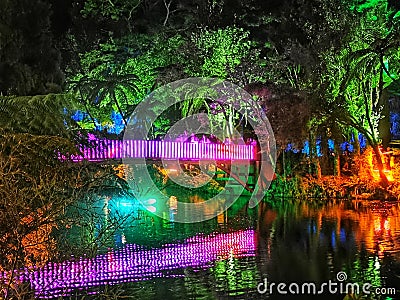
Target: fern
{"points": [[41, 115]]}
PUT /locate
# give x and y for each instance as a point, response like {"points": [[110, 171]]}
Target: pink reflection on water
{"points": [[135, 263]]}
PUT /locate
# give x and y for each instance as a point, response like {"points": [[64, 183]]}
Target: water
{"points": [[288, 241]]}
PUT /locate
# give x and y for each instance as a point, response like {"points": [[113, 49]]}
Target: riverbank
{"points": [[346, 187]]}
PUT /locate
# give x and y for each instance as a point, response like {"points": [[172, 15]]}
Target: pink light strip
{"points": [[115, 149]]}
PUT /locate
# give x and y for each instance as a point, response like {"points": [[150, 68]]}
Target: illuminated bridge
{"points": [[192, 152], [100, 150]]}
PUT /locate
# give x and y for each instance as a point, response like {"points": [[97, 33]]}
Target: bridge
{"points": [[189, 152], [101, 150]]}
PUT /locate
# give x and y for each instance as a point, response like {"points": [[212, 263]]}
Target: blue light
{"points": [[331, 145], [346, 144], [116, 127], [290, 147], [118, 123], [362, 140], [79, 116], [395, 125], [318, 147], [342, 235], [333, 239], [306, 148]]}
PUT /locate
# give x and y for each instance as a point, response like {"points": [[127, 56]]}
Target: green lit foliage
{"points": [[108, 94], [160, 127], [150, 56], [119, 74], [216, 53], [264, 64], [361, 72], [357, 96], [220, 106], [360, 6], [358, 75], [113, 9], [284, 187], [196, 99], [41, 115]]}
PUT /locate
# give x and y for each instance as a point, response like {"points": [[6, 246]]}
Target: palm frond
{"points": [[41, 114]]}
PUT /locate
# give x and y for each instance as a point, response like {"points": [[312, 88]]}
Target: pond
{"points": [[241, 254]]}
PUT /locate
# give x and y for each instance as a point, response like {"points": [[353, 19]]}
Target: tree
{"points": [[119, 74], [296, 32], [36, 189], [215, 53], [289, 114], [29, 60], [114, 10], [359, 74], [39, 115], [109, 92], [37, 186]]}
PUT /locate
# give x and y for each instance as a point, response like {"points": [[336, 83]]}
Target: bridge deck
{"points": [[151, 149]]}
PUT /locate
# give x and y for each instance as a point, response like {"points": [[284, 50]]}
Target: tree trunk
{"points": [[357, 153], [337, 159], [356, 143], [318, 165], [119, 108], [326, 158], [384, 121], [382, 175], [311, 154]]}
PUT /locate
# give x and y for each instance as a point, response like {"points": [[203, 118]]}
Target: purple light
{"points": [[195, 150], [135, 263]]}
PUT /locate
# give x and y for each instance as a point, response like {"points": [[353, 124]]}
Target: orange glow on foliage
{"points": [[37, 244], [373, 167]]}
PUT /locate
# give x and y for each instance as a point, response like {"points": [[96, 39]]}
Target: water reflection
{"points": [[134, 262], [371, 224], [312, 242], [226, 257]]}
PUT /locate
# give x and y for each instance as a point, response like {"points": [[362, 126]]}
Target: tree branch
{"points": [[167, 5]]}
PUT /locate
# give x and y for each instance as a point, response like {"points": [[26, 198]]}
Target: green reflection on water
{"points": [[230, 276], [296, 241]]}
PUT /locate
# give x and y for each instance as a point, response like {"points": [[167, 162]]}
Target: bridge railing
{"points": [[100, 150]]}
